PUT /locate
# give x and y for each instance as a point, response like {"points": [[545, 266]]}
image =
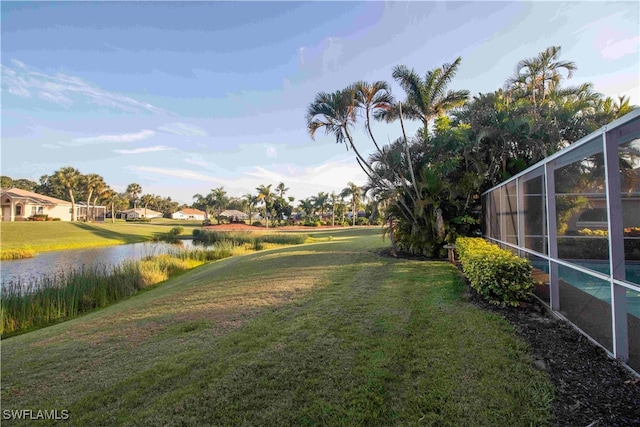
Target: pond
{"points": [[50, 263]]}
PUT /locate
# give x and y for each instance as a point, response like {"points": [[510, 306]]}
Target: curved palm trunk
{"points": [[406, 146]]}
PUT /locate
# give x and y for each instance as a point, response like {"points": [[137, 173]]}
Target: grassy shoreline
{"points": [[24, 239], [323, 333]]}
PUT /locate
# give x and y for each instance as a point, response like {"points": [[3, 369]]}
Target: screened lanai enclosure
{"points": [[576, 217]]}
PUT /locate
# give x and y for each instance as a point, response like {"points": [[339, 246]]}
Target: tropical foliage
{"points": [[428, 185]]}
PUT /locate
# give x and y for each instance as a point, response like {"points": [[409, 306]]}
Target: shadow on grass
{"points": [[115, 235]]}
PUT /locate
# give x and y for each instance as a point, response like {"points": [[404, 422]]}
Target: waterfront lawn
{"points": [[55, 235], [327, 333]]}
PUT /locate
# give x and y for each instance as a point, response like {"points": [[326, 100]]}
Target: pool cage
{"points": [[576, 216]]}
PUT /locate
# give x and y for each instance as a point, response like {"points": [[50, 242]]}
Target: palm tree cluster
{"points": [[68, 183], [428, 186]]}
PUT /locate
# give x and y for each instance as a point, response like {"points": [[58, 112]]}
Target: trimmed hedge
{"points": [[501, 277]]}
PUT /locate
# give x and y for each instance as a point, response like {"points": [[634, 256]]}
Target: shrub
{"points": [[196, 232], [56, 219], [501, 277], [38, 217], [176, 230]]}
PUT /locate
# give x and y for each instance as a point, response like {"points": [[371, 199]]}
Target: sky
{"points": [[184, 97]]}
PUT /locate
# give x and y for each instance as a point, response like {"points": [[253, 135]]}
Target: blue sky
{"points": [[185, 97]]}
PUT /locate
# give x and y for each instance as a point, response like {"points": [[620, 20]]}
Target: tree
{"points": [[133, 190], [353, 191], [334, 199], [427, 98], [69, 178], [320, 202], [306, 206], [251, 201], [266, 196], [111, 197], [201, 203], [218, 199], [281, 189], [92, 183], [536, 76], [146, 199]]}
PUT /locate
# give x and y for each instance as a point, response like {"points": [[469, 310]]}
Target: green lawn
{"points": [[326, 333], [48, 236]]}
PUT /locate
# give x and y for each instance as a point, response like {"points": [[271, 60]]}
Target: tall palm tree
{"points": [[353, 191], [428, 97], [265, 195], [335, 113], [69, 178], [320, 202], [334, 199], [133, 190], [93, 183], [201, 202], [146, 199], [250, 201], [372, 98], [281, 189], [218, 200], [541, 74], [110, 197], [306, 206]]}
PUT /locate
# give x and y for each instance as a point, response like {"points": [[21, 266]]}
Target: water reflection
{"points": [[51, 263]]}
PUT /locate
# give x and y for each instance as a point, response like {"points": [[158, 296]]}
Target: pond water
{"points": [[50, 263]]}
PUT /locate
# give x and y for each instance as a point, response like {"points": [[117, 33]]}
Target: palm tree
{"points": [[69, 178], [372, 98], [94, 184], [146, 199], [132, 191], [540, 74], [334, 201], [265, 195], [353, 191], [250, 200], [218, 200], [201, 202], [281, 189], [427, 98], [335, 112], [306, 206], [320, 202], [110, 197]]}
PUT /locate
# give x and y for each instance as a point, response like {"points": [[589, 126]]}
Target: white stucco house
{"points": [[19, 205], [138, 213], [190, 214]]}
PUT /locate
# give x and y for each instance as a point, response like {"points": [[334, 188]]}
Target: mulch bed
{"points": [[591, 388]]}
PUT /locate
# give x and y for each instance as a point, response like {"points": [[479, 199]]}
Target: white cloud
{"points": [[143, 150], [118, 138], [183, 129], [197, 160], [65, 90], [176, 173], [616, 49]]}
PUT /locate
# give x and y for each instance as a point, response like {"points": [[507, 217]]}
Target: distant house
{"points": [[234, 215], [19, 205], [189, 214], [22, 205], [139, 213]]}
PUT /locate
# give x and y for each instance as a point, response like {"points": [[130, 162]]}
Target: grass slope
{"points": [[327, 333]]}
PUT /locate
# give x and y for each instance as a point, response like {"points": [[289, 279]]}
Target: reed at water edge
{"points": [[27, 306]]}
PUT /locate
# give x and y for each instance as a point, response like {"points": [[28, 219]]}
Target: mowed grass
{"points": [[320, 334], [50, 236]]}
